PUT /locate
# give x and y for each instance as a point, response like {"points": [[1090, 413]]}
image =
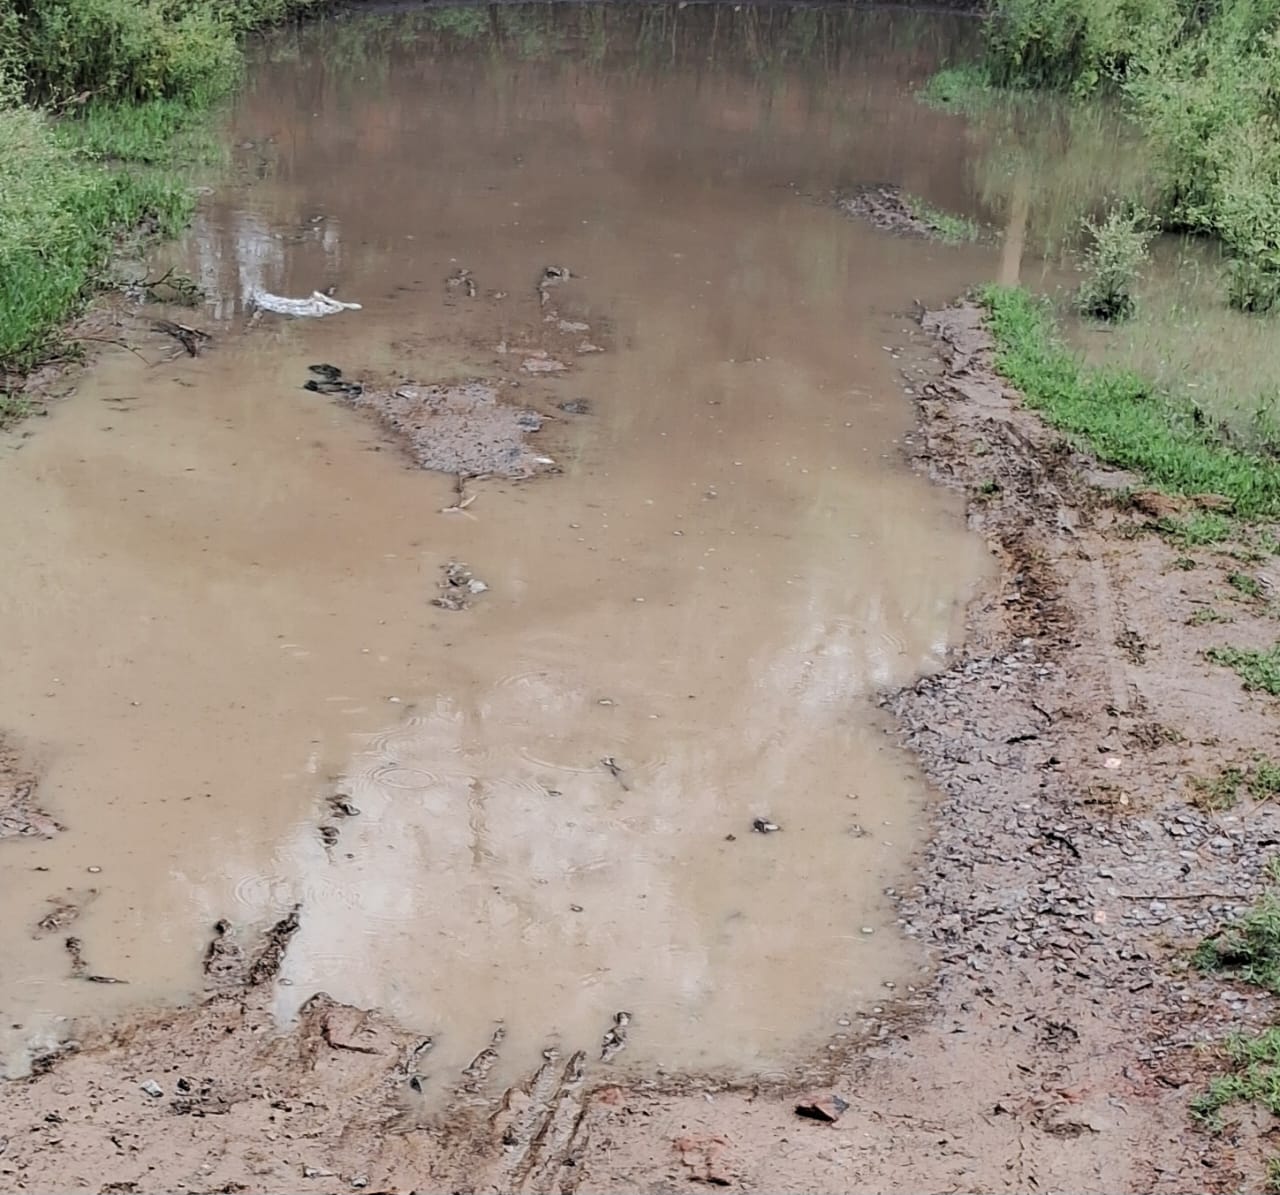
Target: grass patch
{"points": [[1251, 587], [1206, 615], [163, 131], [1258, 669], [946, 226], [1198, 530], [1219, 793], [1200, 79], [1261, 780], [965, 89], [57, 228], [13, 408], [1120, 417], [1254, 1078], [1249, 948], [137, 79]]}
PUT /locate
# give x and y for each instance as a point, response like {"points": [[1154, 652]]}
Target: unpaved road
{"points": [[1055, 1048]]}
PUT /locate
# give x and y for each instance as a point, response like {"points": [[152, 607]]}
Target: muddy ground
{"points": [[1055, 1045]]}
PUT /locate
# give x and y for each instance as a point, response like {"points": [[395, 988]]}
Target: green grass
{"points": [[1249, 948], [162, 131], [135, 80], [13, 408], [1254, 1077], [965, 89], [1206, 615], [946, 226], [1258, 669], [1198, 530], [1121, 417], [58, 226], [1251, 587], [1260, 779]]}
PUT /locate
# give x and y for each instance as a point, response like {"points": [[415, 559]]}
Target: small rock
{"points": [[762, 825], [824, 1106], [152, 1088]]}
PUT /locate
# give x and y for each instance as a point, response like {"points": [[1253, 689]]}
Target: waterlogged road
{"points": [[219, 608]]}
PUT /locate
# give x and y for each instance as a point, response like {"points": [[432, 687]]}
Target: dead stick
{"points": [[118, 343]]}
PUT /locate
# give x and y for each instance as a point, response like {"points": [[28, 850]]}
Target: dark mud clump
{"points": [[266, 966], [19, 816], [884, 206], [460, 429]]}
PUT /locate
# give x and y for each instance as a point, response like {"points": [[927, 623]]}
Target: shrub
{"points": [[1112, 262], [1080, 46]]}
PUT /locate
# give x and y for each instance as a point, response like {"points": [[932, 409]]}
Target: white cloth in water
{"points": [[316, 305]]}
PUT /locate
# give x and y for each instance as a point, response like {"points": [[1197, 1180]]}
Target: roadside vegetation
{"points": [[1128, 422], [96, 98], [1200, 80], [1247, 950]]}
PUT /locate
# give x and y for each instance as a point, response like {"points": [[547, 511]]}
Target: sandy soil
{"points": [[1057, 1043]]}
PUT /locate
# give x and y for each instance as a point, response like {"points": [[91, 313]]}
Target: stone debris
{"points": [[825, 1106], [459, 587]]}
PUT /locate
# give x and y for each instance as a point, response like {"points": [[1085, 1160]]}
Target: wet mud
{"points": [[19, 814]]}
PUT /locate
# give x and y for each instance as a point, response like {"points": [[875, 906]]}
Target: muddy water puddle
{"points": [[219, 611]]}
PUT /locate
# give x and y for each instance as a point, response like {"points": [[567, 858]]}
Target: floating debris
{"points": [[458, 587], [316, 306], [461, 279], [762, 825]]}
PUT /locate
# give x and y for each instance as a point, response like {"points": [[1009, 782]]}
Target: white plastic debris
{"points": [[317, 305]]}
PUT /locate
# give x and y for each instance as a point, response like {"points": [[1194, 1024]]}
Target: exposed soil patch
{"points": [[19, 815], [461, 429], [884, 206], [1067, 877]]}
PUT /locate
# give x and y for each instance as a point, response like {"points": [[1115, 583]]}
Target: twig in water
{"points": [[118, 343], [191, 339], [463, 499]]}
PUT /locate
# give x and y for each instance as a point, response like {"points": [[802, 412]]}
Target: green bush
{"points": [[133, 49], [1203, 77], [1112, 262], [1076, 45]]}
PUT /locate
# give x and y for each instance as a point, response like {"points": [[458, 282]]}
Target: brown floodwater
{"points": [[218, 602]]}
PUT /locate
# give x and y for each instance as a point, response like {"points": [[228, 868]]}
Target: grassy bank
{"points": [[1124, 419], [1200, 79], [95, 98]]}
